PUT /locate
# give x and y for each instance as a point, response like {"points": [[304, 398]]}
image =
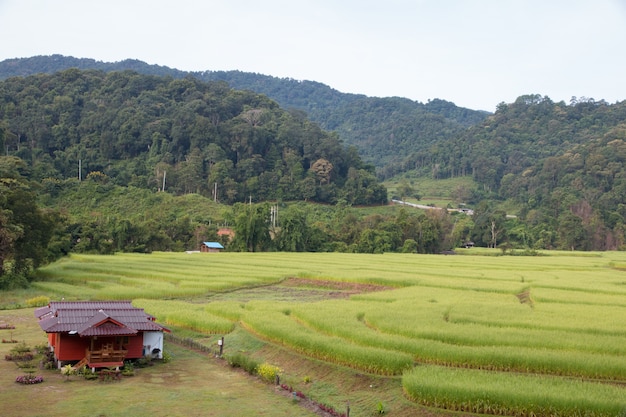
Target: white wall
{"points": [[152, 340]]}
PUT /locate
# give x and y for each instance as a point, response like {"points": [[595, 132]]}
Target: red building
{"points": [[99, 333]]}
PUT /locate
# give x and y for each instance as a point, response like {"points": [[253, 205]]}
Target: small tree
{"points": [[67, 371]]}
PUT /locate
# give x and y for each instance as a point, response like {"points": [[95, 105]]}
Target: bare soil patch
{"points": [[298, 289], [334, 289]]}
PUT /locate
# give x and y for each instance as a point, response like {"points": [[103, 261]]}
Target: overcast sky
{"points": [[475, 53]]}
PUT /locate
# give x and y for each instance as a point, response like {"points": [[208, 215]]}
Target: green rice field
{"points": [[505, 335]]}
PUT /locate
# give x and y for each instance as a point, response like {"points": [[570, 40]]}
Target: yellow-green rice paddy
{"points": [[556, 321]]}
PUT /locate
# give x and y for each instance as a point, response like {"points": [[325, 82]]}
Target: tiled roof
{"points": [[91, 318]]}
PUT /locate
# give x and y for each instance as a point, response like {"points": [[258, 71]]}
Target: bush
{"points": [[39, 301], [242, 361], [67, 371], [88, 375], [129, 369], [29, 379], [268, 372]]}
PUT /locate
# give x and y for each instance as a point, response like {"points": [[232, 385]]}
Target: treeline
{"points": [[183, 135], [41, 222], [384, 130], [105, 218]]}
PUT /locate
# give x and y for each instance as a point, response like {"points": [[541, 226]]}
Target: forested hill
{"points": [[185, 134], [384, 130], [560, 167]]}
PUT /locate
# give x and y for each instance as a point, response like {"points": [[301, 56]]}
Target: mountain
{"points": [[385, 130], [185, 135], [559, 167]]}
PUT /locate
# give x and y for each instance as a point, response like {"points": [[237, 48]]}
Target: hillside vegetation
{"points": [[92, 148], [181, 135], [384, 130]]}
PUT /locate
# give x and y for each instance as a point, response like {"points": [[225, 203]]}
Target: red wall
{"points": [[71, 347], [135, 346]]}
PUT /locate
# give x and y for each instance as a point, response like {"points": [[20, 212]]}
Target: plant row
{"points": [[499, 393]]}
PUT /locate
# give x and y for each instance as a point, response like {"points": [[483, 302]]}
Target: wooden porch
{"points": [[106, 357]]}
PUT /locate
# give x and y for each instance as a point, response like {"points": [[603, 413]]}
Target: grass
{"points": [[458, 311], [433, 192], [506, 394], [190, 385]]}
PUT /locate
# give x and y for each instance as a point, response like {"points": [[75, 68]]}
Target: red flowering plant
{"points": [[29, 379]]}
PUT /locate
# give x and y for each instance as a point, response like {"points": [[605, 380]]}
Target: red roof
{"points": [[95, 318]]}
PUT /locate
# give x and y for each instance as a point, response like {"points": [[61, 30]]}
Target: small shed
{"points": [[99, 333], [211, 247]]}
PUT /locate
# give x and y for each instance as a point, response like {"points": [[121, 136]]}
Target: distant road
{"points": [[469, 212]]}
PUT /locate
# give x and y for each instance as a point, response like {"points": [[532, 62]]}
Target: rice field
{"points": [[449, 326]]}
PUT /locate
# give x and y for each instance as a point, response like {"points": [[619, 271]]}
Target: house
{"points": [[99, 333], [211, 247], [226, 231]]}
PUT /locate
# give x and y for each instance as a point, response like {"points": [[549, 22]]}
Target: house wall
{"points": [[70, 347], [153, 340], [135, 347]]}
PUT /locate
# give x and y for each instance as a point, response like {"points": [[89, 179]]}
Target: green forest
{"points": [[98, 160]]}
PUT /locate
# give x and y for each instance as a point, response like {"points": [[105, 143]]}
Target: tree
{"points": [[489, 225], [323, 170], [294, 230], [25, 229], [405, 189], [571, 231], [252, 233]]}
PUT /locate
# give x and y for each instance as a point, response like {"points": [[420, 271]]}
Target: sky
{"points": [[474, 53]]}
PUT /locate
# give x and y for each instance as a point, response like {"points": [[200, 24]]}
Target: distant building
{"points": [[211, 247], [226, 231]]}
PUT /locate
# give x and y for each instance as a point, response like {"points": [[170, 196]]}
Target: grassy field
{"points": [[557, 318], [439, 193], [191, 384]]}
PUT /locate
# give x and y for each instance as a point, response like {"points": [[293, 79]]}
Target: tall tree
{"points": [[252, 232], [25, 229]]}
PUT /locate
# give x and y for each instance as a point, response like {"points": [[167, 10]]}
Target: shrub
{"points": [[67, 371], [19, 357], [239, 360], [29, 379], [39, 301], [21, 348], [88, 375], [129, 369], [268, 372]]}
